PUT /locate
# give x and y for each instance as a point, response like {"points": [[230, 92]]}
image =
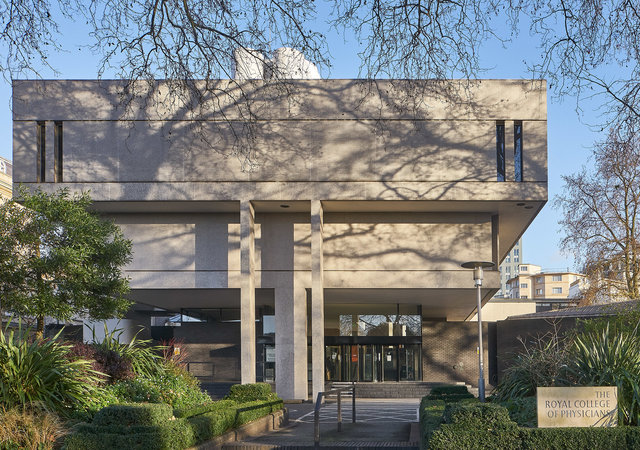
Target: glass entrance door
{"points": [[333, 362], [409, 360], [368, 366], [389, 363], [372, 362]]}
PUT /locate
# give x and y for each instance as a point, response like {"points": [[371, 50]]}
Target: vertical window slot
{"points": [[41, 158], [517, 149], [500, 150], [57, 152]]}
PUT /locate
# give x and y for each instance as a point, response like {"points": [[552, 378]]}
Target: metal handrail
{"points": [[316, 411]]}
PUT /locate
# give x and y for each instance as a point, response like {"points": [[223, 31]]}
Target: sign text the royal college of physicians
{"points": [[592, 406]]}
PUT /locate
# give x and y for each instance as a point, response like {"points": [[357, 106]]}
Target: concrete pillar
{"points": [[291, 339], [247, 293], [317, 298]]}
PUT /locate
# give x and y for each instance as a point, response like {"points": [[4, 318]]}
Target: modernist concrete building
{"points": [[332, 250]]}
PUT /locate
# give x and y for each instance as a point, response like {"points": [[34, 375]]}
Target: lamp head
{"points": [[478, 267]]}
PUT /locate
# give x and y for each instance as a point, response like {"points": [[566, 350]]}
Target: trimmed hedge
{"points": [[459, 437], [149, 414], [450, 393], [430, 417], [172, 435], [242, 393], [477, 415], [476, 425], [487, 426], [152, 426], [572, 438], [209, 425], [203, 409]]}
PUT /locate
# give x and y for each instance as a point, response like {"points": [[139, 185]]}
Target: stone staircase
{"points": [[403, 389]]}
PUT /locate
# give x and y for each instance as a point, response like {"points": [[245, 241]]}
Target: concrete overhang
{"points": [[514, 214], [437, 304]]}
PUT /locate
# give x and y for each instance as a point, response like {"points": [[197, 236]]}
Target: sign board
{"points": [[270, 354], [589, 406]]}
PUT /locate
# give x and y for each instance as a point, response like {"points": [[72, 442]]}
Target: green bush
{"points": [[460, 437], [450, 393], [523, 411], [475, 426], [573, 438], [607, 358], [145, 359], [147, 414], [203, 409], [226, 414], [430, 417], [40, 372], [173, 434], [477, 415], [250, 392], [133, 425], [209, 425], [168, 387], [249, 411]]}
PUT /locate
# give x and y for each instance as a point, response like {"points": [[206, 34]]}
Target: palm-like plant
{"points": [[146, 360], [41, 372], [604, 358]]}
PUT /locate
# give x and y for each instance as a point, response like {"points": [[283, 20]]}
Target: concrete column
{"points": [[247, 293], [317, 298], [291, 339]]}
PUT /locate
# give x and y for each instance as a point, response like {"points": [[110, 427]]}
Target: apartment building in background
{"points": [[336, 254], [534, 283], [509, 269], [6, 176]]}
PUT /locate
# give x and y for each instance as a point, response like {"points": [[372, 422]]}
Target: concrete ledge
{"points": [[258, 427]]}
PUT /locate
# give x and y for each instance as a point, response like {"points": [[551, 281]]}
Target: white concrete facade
{"points": [[357, 195]]}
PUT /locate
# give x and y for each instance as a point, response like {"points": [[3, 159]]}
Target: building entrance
{"points": [[373, 342], [372, 362]]}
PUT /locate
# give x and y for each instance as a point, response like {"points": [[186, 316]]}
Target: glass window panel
{"points": [[500, 151], [517, 150]]}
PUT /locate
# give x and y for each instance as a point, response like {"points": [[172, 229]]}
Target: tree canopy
{"points": [[587, 48], [59, 259], [600, 210]]}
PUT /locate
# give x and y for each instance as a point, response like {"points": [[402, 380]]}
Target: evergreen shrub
{"points": [[450, 393], [430, 417], [146, 414], [250, 392]]}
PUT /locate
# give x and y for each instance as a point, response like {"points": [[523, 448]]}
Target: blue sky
{"points": [[569, 136]]}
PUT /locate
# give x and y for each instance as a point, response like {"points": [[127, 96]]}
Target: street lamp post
{"points": [[478, 267]]}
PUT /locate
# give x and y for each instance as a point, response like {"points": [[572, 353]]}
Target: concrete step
{"points": [[402, 389]]}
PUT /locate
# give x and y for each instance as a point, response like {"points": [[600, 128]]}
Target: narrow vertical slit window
{"points": [[500, 151], [41, 158], [57, 152], [517, 149]]}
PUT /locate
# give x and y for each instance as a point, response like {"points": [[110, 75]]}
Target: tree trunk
{"points": [[40, 328]]}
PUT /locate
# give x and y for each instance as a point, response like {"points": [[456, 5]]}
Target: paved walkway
{"points": [[380, 423]]}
